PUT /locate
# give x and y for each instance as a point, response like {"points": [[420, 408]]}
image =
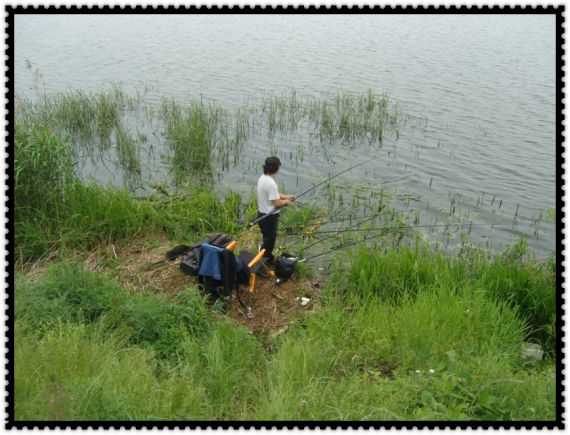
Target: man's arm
{"points": [[281, 202], [291, 198]]}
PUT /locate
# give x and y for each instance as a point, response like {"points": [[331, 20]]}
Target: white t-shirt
{"points": [[266, 193]]}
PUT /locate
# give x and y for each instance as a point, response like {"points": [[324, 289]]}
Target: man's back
{"points": [[267, 192]]}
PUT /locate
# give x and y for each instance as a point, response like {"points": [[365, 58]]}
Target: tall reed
{"points": [[128, 152], [191, 138], [43, 168]]}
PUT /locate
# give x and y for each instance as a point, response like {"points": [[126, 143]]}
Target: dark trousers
{"points": [[268, 228]]}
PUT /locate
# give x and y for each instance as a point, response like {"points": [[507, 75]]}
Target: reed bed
{"points": [[343, 117], [189, 133], [204, 138], [198, 139], [88, 118]]}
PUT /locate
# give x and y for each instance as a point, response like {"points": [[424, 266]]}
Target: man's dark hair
{"points": [[271, 165]]}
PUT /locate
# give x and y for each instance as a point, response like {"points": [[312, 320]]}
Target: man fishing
{"points": [[269, 200]]}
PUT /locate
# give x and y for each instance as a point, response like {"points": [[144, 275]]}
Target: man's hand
{"points": [[284, 200]]}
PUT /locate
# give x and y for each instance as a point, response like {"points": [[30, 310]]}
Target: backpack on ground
{"points": [[190, 261]]}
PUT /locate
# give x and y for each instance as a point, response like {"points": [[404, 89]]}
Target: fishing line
{"points": [[344, 245]]}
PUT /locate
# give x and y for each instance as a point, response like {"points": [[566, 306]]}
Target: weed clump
{"points": [[190, 134], [510, 279], [73, 295]]}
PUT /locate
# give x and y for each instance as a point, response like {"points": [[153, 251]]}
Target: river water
{"points": [[485, 84]]}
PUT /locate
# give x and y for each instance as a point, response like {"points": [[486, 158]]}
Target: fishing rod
{"points": [[332, 235], [342, 245], [384, 231], [275, 210], [320, 223], [345, 230], [350, 229]]}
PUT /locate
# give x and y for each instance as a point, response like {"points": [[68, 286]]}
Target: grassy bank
{"points": [[398, 332], [444, 348]]}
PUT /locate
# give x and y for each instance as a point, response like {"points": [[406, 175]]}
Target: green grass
{"points": [[442, 350], [92, 216], [230, 364], [54, 211], [98, 344], [522, 283], [68, 293], [519, 278], [80, 372], [371, 363]]}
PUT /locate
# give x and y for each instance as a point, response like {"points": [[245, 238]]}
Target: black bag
{"points": [[190, 263], [219, 240], [284, 267]]}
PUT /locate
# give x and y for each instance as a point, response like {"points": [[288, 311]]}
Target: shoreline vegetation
{"points": [[199, 134], [400, 330]]}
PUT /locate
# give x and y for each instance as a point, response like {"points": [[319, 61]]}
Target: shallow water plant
{"points": [[127, 152], [190, 135], [43, 168], [87, 118]]}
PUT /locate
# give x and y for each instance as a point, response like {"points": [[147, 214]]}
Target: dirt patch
{"points": [[141, 267], [275, 305]]}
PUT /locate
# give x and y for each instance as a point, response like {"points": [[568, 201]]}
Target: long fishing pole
{"points": [[320, 223], [345, 230], [332, 235], [342, 245], [354, 229], [384, 230], [275, 210]]}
